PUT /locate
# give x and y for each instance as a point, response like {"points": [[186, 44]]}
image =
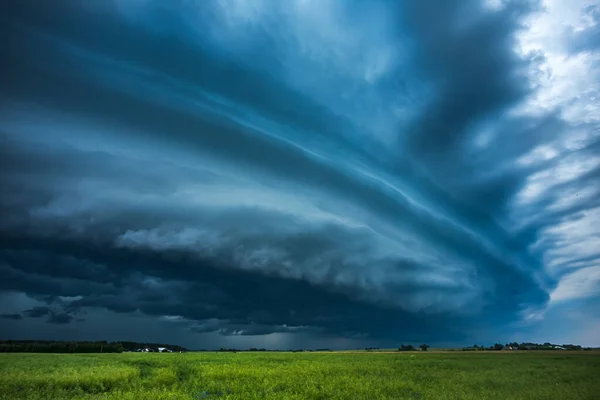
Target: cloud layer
{"points": [[308, 169]]}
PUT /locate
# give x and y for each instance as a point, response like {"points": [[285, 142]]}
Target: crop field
{"points": [[277, 375]]}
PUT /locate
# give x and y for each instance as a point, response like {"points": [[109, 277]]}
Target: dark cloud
{"points": [[62, 318], [243, 188], [246, 302], [58, 313], [38, 312], [14, 317], [473, 61]]}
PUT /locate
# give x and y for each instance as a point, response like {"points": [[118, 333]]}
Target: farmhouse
{"points": [[145, 350]]}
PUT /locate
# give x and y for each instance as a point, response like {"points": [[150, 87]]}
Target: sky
{"points": [[300, 173]]}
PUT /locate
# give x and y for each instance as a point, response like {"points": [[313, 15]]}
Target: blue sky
{"points": [[302, 173]]}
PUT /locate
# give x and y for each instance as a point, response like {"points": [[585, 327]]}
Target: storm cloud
{"points": [[327, 172]]}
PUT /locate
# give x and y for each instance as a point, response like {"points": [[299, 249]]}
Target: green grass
{"points": [[450, 375]]}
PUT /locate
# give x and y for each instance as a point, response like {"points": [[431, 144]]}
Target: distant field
{"points": [[450, 375]]}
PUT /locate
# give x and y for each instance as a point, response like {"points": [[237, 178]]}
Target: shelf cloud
{"points": [[280, 174]]}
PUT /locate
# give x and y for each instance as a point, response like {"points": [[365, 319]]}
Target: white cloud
{"points": [[567, 83], [570, 82], [580, 284]]}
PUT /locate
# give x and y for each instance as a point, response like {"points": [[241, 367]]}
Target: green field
{"points": [[443, 375]]}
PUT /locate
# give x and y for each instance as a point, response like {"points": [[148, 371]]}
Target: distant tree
{"points": [[41, 346], [424, 347]]}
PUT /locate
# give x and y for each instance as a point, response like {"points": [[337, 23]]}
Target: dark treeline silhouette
{"points": [[50, 346], [225, 350], [410, 347], [526, 346], [500, 346]]}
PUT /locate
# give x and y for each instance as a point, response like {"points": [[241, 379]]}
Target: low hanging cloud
{"points": [[227, 169]]}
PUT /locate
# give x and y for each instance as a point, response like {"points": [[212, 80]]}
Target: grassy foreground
{"points": [[452, 375]]}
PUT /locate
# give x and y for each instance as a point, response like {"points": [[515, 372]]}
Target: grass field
{"points": [[448, 375]]}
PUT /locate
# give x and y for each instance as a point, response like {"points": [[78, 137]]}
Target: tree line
{"points": [[410, 347], [51, 346], [499, 346], [225, 350], [526, 346]]}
